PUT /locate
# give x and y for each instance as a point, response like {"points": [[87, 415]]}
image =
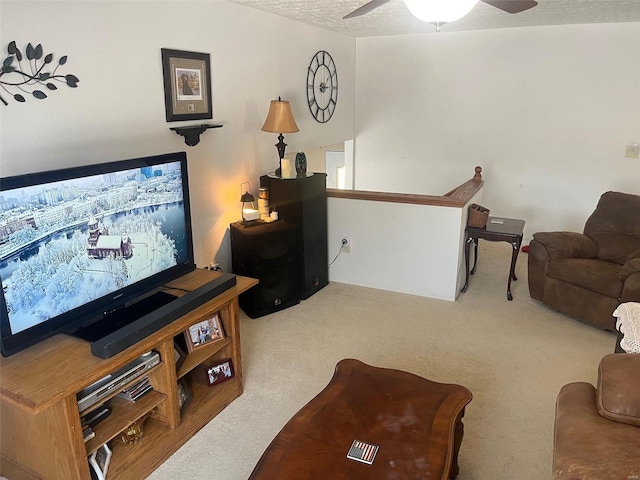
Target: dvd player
{"points": [[112, 382]]}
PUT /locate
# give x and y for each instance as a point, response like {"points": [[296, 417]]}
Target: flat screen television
{"points": [[79, 243]]}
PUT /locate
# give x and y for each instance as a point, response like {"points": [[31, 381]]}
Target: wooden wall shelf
{"points": [[192, 133]]}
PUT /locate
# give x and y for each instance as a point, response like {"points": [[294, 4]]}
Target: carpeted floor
{"points": [[514, 357]]}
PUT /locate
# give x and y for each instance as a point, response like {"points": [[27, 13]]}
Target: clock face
{"points": [[322, 86]]}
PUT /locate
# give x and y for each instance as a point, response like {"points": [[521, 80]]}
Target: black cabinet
{"points": [[268, 252], [303, 202]]}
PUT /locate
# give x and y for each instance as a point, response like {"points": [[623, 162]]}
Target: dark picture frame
{"points": [[204, 332], [187, 85], [184, 396], [219, 372], [179, 354]]}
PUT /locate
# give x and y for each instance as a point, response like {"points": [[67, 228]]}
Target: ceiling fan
{"points": [[444, 11]]}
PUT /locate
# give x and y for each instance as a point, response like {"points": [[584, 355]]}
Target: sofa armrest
{"points": [[618, 391], [630, 267], [630, 276], [547, 246], [631, 289], [566, 245], [587, 445]]}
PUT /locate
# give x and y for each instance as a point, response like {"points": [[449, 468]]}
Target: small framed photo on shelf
{"points": [[184, 396], [204, 332], [219, 372], [99, 462], [179, 354]]}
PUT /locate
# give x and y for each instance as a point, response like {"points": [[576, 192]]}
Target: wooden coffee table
{"points": [[416, 423]]}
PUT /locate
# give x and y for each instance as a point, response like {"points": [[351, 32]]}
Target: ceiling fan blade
{"points": [[366, 8], [512, 6]]}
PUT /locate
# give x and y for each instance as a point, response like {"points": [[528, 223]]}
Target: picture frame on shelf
{"points": [[187, 85], [219, 372], [184, 396], [99, 462], [204, 332], [179, 353]]}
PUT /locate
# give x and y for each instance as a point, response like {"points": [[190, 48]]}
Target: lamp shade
{"points": [[247, 198], [440, 11], [280, 119]]}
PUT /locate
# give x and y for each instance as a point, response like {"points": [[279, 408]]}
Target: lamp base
{"points": [[281, 147], [251, 223], [250, 214]]}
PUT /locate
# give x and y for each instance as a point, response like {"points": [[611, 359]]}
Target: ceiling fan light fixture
{"points": [[440, 11]]}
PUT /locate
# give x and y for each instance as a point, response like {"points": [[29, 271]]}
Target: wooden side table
{"points": [[498, 229]]}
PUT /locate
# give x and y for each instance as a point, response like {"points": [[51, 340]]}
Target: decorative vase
{"points": [[301, 164], [134, 432]]}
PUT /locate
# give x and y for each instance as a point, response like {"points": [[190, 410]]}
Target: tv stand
{"points": [[39, 409]]}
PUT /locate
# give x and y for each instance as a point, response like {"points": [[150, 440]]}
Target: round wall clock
{"points": [[322, 86]]}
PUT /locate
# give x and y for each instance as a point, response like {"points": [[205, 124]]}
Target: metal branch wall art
{"points": [[30, 82]]}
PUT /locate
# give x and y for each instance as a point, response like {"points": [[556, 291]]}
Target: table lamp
{"points": [[280, 120]]}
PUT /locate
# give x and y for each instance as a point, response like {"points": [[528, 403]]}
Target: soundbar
{"points": [[128, 335]]}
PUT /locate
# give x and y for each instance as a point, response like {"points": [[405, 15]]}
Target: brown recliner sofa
{"points": [[597, 430], [587, 275]]}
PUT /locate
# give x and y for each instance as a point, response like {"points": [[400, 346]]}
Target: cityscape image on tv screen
{"points": [[66, 243]]}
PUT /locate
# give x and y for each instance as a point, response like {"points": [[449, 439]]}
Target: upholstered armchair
{"points": [[587, 275]]}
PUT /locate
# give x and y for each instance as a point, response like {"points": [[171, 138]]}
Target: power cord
{"points": [[343, 243], [214, 267]]}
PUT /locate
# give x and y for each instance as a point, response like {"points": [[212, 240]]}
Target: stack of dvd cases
{"points": [[137, 390]]}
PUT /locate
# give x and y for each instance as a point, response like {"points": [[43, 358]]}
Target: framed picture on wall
{"points": [[187, 85]]}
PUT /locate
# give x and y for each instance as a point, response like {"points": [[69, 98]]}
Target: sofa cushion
{"points": [[618, 391], [615, 226], [591, 273]]}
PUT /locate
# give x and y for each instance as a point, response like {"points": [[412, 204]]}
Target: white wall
{"points": [[117, 111], [546, 111], [334, 160], [407, 248]]}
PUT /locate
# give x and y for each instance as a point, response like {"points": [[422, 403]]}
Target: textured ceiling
{"points": [[393, 18]]}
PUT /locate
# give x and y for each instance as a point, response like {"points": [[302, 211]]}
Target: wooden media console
{"points": [[41, 435]]}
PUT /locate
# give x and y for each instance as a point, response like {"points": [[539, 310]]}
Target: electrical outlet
{"points": [[633, 151], [346, 244]]}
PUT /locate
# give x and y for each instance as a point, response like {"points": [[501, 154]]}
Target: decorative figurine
{"points": [[301, 164]]}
